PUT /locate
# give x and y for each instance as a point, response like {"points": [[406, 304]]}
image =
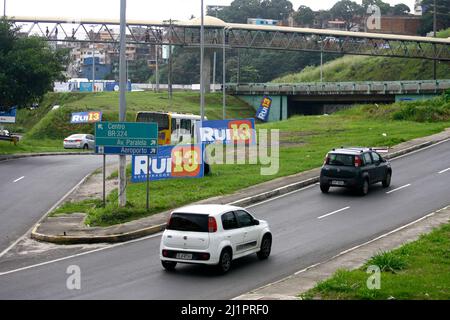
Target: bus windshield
{"points": [[160, 118]]}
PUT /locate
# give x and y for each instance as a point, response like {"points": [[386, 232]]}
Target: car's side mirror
{"points": [[256, 222]]}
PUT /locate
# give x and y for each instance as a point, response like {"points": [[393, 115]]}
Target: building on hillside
{"points": [[404, 25]]}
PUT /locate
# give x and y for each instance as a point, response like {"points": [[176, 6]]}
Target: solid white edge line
{"points": [[79, 254], [399, 188], [329, 214], [419, 150], [346, 251], [445, 170], [141, 239], [18, 179]]}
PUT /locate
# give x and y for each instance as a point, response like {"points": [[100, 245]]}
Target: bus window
{"points": [[186, 124]]}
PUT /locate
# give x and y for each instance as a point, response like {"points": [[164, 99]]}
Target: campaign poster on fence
{"points": [[227, 131], [170, 162]]}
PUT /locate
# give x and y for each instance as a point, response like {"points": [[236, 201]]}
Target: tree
{"points": [[400, 9], [304, 16], [442, 15], [28, 67], [240, 10], [348, 11]]}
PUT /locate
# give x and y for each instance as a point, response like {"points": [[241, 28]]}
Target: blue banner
{"points": [[264, 108], [8, 116], [170, 162], [227, 131], [114, 86], [86, 117]]}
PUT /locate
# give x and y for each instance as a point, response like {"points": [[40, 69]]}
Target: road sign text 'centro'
{"points": [[126, 134]]}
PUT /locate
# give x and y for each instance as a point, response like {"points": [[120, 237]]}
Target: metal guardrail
{"points": [[328, 88]]}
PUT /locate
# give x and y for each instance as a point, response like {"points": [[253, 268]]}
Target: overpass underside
{"points": [[327, 97]]}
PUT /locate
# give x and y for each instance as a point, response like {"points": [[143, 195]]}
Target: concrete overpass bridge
{"points": [[327, 97]]}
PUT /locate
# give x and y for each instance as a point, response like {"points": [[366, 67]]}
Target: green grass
{"points": [[309, 137], [364, 68], [417, 270], [44, 128]]}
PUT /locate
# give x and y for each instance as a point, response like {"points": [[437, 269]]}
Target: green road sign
{"points": [[126, 134]]}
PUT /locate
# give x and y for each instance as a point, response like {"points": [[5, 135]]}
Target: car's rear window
{"points": [[188, 222], [76, 136], [336, 159]]}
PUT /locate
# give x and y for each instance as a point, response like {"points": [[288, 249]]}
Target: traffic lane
{"points": [[46, 180], [130, 274], [300, 245]]}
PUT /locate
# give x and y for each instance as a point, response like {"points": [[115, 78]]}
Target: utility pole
{"points": [[223, 75], [93, 67], [4, 8], [238, 66], [202, 52], [214, 71], [434, 35], [157, 67], [122, 101], [169, 77]]}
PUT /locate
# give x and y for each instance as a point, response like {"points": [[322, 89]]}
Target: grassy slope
{"points": [[418, 270], [45, 129], [304, 142], [362, 68]]}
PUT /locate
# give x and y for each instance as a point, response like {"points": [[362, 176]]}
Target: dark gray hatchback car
{"points": [[355, 168]]}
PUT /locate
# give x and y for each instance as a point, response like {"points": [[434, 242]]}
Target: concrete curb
{"points": [[122, 237], [29, 155]]}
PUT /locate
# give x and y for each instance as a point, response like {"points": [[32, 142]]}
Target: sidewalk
{"points": [[70, 229]]}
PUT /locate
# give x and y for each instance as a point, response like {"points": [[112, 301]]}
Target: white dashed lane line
{"points": [[18, 179], [329, 214], [445, 170], [399, 188]]}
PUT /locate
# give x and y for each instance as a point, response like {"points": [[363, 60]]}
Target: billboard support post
{"points": [[148, 182], [104, 180]]}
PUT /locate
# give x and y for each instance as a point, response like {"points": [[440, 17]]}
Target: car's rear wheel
{"points": [[266, 246], [387, 180], [364, 188], [169, 265], [224, 261], [324, 187]]}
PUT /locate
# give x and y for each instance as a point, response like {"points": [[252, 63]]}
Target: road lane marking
{"points": [[344, 252], [281, 196], [399, 188], [18, 179], [81, 254], [329, 214], [445, 170]]}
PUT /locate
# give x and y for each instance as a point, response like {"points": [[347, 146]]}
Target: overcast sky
{"points": [[136, 9]]}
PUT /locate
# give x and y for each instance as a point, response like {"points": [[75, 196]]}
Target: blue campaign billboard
{"points": [[8, 116], [264, 108], [86, 117], [170, 162], [114, 86], [227, 131], [85, 86]]}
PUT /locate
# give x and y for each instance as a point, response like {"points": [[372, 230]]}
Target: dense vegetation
{"points": [[28, 67]]}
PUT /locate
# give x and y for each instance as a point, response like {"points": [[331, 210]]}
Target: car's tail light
{"points": [[78, 140], [65, 140], [212, 224], [168, 220], [358, 161], [326, 160], [165, 253]]}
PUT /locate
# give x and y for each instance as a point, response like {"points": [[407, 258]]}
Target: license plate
{"points": [[337, 183], [184, 256]]}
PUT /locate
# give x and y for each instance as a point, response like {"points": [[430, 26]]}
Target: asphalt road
{"points": [[308, 227], [31, 186]]}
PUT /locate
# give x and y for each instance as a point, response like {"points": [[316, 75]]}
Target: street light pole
{"points": [[4, 8], [434, 35], [202, 49], [122, 100], [93, 67], [223, 75]]}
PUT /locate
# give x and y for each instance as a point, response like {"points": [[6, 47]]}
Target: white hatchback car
{"points": [[213, 235]]}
